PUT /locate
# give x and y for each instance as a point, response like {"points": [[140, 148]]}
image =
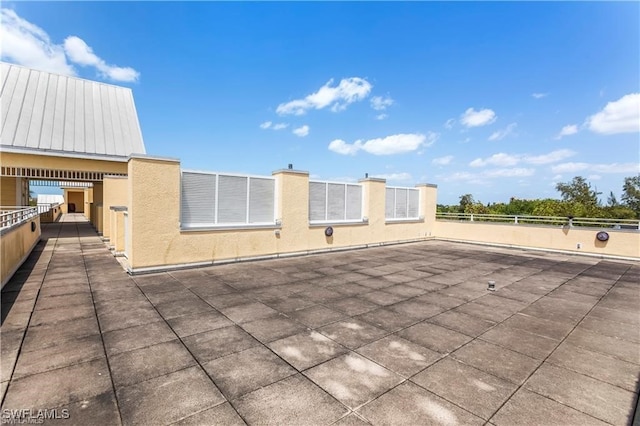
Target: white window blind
{"points": [[402, 203], [334, 202], [212, 199]]}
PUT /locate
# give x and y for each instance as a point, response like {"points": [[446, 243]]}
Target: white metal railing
{"points": [[623, 224], [46, 207], [11, 216]]}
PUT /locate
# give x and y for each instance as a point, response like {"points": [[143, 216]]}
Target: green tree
{"points": [[631, 193], [579, 191], [466, 200]]}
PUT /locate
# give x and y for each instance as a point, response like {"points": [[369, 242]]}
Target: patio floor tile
{"points": [[307, 349], [219, 342], [598, 399], [408, 404], [527, 408], [143, 364], [168, 398], [353, 379], [470, 388], [434, 337], [243, 372], [496, 360], [352, 333], [293, 401], [399, 355]]}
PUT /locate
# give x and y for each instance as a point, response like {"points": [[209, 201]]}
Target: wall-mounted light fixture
{"points": [[328, 231]]}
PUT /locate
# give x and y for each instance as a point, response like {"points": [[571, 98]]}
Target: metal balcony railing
{"points": [[11, 216], [622, 224], [46, 207]]}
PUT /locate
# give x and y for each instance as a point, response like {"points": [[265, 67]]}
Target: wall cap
{"points": [[153, 158], [428, 185], [118, 208], [290, 172], [108, 176], [372, 179]]}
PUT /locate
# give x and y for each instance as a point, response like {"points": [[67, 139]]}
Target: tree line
{"points": [[577, 199]]}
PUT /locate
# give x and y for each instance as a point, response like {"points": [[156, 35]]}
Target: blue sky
{"points": [[493, 99]]}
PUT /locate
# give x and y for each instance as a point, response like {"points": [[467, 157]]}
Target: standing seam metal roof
{"points": [[42, 111]]}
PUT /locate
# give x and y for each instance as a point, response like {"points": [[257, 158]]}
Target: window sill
{"points": [[229, 227], [409, 220], [317, 224]]}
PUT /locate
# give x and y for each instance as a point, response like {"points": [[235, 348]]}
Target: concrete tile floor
{"points": [[404, 334]]}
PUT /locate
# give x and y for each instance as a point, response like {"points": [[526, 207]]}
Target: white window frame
{"points": [[216, 225], [420, 216], [361, 220]]}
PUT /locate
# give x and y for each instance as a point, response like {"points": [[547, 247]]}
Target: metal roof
{"points": [[45, 113]]}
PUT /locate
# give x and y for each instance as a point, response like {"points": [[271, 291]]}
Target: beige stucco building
{"points": [[85, 137]]}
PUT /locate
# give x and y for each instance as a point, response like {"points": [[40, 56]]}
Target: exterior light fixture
{"points": [[328, 231], [602, 236], [290, 167], [491, 286]]}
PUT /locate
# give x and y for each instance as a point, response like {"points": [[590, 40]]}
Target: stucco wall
{"points": [[156, 240], [16, 245], [114, 193], [621, 243], [76, 198], [8, 191]]}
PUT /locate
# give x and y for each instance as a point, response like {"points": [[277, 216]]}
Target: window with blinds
{"points": [[402, 203], [334, 202], [213, 199]]}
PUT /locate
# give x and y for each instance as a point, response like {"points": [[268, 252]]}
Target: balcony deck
{"points": [[404, 334]]}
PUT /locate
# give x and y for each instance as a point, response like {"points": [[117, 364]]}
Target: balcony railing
{"points": [[46, 207], [11, 216], [623, 224]]}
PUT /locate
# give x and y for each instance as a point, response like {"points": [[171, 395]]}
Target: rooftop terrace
{"points": [[404, 334]]}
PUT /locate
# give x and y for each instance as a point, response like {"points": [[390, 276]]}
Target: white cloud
{"points": [[552, 157], [380, 104], [501, 134], [594, 177], [621, 116], [567, 130], [349, 90], [569, 167], [80, 53], [381, 116], [473, 118], [501, 159], [27, 44], [394, 144], [301, 131], [486, 175], [270, 125], [449, 123], [539, 95], [395, 177], [597, 168], [514, 172], [442, 161], [556, 178], [341, 147], [506, 160]]}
